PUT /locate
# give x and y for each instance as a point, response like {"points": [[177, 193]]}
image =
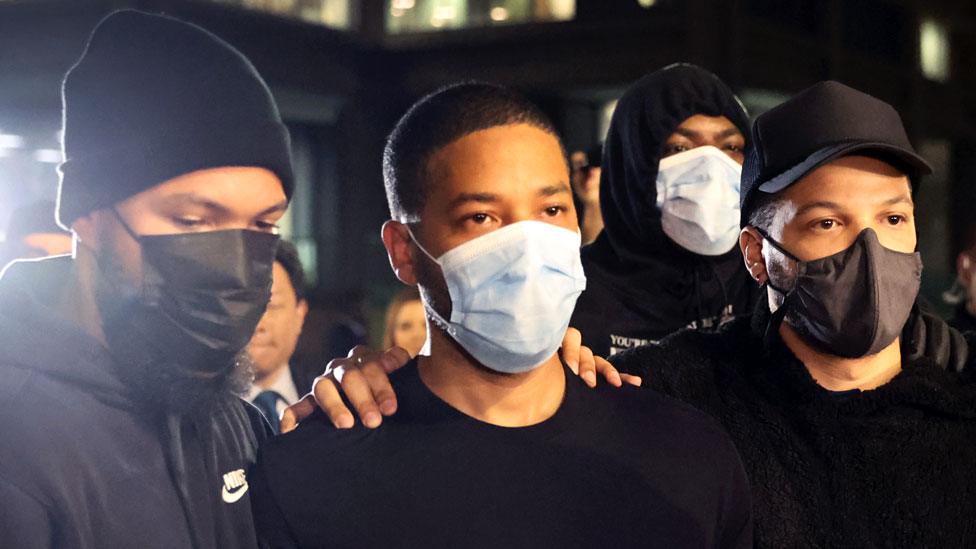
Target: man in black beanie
{"points": [[176, 169]]}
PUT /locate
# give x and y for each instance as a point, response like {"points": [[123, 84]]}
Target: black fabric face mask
{"points": [[853, 303], [185, 325]]}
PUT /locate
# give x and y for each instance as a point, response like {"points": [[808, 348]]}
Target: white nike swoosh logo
{"points": [[233, 496]]}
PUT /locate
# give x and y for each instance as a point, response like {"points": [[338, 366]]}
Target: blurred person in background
{"points": [[33, 232], [963, 291], [667, 257], [275, 385], [406, 322], [124, 364], [586, 188]]}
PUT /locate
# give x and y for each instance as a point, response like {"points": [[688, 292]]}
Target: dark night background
{"points": [[343, 71]]}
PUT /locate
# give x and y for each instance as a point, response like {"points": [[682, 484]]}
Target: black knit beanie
{"points": [[153, 98]]}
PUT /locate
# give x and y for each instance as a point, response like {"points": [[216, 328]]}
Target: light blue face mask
{"points": [[698, 195], [513, 291]]}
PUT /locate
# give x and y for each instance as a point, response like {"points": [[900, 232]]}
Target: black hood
{"points": [[646, 115], [34, 337], [636, 275]]}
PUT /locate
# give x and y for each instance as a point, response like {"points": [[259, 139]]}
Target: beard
{"points": [[152, 352], [172, 387], [433, 290]]}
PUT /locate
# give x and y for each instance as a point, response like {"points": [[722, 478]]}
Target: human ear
{"points": [[301, 311], [398, 244], [750, 243], [84, 230]]}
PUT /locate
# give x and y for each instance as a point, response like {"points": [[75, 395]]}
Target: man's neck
{"points": [[506, 400], [265, 381], [836, 373]]}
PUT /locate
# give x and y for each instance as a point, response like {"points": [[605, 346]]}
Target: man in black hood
{"points": [[667, 257], [122, 364]]}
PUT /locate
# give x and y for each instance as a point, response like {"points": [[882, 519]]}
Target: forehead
{"points": [[851, 180], [242, 188], [409, 309], [491, 160], [708, 124]]}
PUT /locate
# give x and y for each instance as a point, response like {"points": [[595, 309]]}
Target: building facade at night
{"points": [[344, 70]]}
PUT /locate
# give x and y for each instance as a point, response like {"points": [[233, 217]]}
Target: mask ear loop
{"points": [[780, 249], [436, 317], [419, 245], [125, 225]]}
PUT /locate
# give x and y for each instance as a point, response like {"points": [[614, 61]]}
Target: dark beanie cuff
{"points": [[101, 178]]}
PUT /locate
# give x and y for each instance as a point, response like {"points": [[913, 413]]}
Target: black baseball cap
{"points": [[822, 123]]}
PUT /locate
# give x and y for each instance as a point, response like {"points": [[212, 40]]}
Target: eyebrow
{"points": [[826, 204], [217, 208], [692, 134], [900, 199], [489, 198], [279, 207], [552, 190], [464, 198]]}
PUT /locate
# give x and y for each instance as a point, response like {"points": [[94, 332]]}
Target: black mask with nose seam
{"points": [[853, 303], [178, 334]]}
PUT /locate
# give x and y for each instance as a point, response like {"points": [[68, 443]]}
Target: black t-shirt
{"points": [[887, 467], [611, 468]]}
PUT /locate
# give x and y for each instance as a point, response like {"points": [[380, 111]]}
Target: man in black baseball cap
{"points": [[853, 411], [122, 364]]}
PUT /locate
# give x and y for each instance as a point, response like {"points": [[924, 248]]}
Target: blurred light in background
{"points": [[430, 15], [337, 14], [934, 50], [606, 115], [48, 156], [499, 14], [11, 141], [29, 153]]}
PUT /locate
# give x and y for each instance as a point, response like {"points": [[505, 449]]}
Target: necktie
{"points": [[267, 402]]}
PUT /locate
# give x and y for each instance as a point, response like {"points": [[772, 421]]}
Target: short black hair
{"points": [[762, 210], [287, 256], [439, 119]]}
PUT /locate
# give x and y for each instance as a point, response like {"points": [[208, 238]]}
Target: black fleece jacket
{"points": [[642, 286], [890, 467], [84, 464]]}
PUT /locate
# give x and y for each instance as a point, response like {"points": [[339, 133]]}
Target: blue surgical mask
{"points": [[698, 195], [512, 291]]}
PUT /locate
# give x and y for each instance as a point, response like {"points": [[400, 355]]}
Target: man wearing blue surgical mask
{"points": [[494, 438], [667, 257]]}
